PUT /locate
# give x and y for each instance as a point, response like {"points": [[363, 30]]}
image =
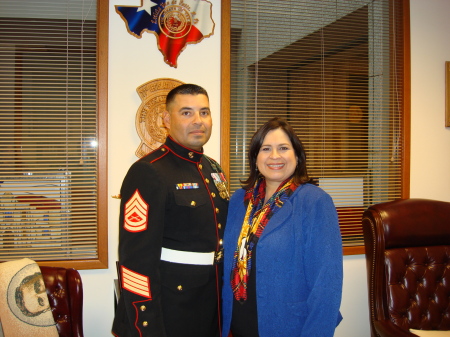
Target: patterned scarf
{"points": [[256, 218]]}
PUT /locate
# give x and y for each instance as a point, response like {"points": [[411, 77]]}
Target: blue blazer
{"points": [[298, 266]]}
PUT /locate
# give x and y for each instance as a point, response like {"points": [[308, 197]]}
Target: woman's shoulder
{"points": [[311, 193], [237, 195], [310, 189]]}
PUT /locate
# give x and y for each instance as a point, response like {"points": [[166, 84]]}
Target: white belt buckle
{"points": [[179, 256]]}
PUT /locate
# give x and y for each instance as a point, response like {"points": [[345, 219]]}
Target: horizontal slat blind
{"points": [[334, 70], [48, 130]]}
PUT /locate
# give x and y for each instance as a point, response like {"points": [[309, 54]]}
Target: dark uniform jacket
{"points": [[169, 198]]}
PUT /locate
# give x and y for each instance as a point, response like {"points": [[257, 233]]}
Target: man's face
{"points": [[189, 121], [34, 296]]}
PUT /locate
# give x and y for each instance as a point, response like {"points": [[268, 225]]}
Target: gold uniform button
{"points": [[217, 210], [143, 308], [163, 149], [200, 166], [219, 226], [220, 242], [213, 194], [207, 180], [193, 203], [144, 323], [180, 287]]}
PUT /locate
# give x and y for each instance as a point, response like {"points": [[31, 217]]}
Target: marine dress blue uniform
{"points": [[172, 217]]}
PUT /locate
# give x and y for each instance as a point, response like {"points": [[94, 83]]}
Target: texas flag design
{"points": [[175, 23]]}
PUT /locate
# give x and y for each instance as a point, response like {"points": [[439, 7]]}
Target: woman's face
{"points": [[276, 159]]}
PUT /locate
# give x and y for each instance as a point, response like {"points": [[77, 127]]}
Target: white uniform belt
{"points": [[179, 256]]}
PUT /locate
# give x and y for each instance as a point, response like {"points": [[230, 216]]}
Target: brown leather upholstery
{"points": [[65, 293], [408, 266]]}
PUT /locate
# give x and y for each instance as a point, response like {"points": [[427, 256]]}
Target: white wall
{"points": [[430, 146], [133, 62]]}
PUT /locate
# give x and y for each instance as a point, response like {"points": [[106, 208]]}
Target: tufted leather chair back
{"points": [[407, 246], [65, 293]]}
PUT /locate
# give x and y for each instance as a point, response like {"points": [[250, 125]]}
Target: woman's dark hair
{"points": [[300, 173], [185, 89]]}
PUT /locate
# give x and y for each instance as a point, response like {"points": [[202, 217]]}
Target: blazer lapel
{"points": [[279, 218]]}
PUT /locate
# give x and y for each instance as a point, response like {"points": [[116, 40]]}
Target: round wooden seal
{"points": [[149, 122]]}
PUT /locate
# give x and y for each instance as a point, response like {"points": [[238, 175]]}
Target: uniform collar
{"points": [[183, 152]]}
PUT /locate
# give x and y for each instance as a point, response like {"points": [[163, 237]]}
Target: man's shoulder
{"points": [[154, 156], [148, 163], [214, 164], [211, 159]]}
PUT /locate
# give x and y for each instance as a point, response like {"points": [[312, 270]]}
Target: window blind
{"points": [[335, 71], [49, 131]]}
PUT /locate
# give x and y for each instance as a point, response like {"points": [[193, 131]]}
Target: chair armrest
{"points": [[386, 328], [76, 301]]}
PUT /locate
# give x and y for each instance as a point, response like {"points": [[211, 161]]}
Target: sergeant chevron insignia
{"points": [[136, 213]]}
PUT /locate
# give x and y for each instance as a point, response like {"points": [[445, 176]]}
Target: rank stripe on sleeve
{"points": [[136, 214], [136, 283]]}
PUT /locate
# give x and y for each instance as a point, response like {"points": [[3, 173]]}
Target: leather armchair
{"points": [[65, 294], [407, 246]]}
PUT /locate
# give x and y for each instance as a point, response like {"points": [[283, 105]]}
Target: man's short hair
{"points": [[185, 89]]}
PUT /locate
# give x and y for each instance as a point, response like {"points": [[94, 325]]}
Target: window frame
{"points": [[226, 95], [101, 261]]}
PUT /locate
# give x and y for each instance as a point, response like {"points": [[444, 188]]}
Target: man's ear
{"points": [[166, 119]]}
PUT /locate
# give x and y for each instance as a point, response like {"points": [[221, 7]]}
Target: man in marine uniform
{"points": [[174, 205]]}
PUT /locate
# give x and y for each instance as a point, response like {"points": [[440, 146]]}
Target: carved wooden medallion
{"points": [[149, 123]]}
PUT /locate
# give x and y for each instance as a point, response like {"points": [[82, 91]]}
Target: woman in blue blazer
{"points": [[283, 249]]}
